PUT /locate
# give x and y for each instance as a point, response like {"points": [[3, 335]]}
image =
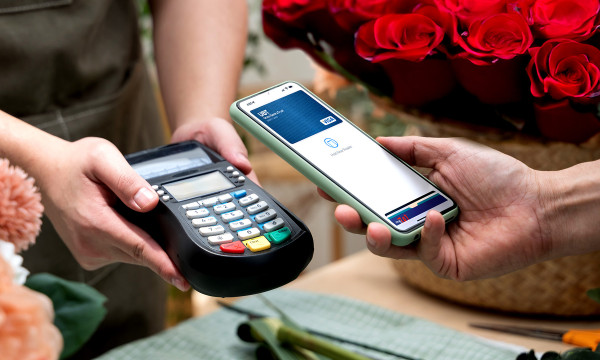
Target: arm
{"points": [[571, 206], [199, 49], [511, 215], [79, 181]]}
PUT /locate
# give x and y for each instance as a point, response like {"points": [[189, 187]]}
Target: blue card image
{"points": [[296, 117]]}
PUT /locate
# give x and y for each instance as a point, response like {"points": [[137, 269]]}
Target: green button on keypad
{"points": [[279, 236]]}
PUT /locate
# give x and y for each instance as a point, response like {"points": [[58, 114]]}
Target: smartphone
{"points": [[342, 159]]}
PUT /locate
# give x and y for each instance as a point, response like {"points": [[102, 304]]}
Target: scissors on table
{"points": [[584, 337]]}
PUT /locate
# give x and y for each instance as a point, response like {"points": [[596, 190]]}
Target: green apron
{"points": [[73, 68]]}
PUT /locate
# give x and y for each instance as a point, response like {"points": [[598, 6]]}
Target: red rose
{"points": [[290, 10], [499, 36], [288, 23], [441, 16], [468, 11], [350, 14], [318, 35], [398, 36], [565, 69], [572, 19]]}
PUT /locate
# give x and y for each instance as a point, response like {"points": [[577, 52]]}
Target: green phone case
{"points": [[318, 178]]}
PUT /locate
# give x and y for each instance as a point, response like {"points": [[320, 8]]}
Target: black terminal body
{"points": [[226, 235]]}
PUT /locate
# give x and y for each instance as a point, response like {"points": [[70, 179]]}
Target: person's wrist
{"points": [[551, 223], [570, 202]]}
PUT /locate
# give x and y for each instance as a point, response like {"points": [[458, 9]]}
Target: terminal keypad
{"points": [[236, 222]]}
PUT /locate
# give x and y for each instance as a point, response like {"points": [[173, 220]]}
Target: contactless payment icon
{"points": [[331, 143]]}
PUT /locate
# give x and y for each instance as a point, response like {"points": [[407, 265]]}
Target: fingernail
{"points": [[144, 197], [178, 283], [242, 158], [371, 242]]}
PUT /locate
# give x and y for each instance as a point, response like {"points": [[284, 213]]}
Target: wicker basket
{"points": [[556, 287]]}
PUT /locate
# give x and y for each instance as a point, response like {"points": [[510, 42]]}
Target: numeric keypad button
{"points": [[265, 216], [248, 233], [274, 225], [211, 230], [207, 221], [194, 214], [232, 216], [223, 208], [220, 239], [256, 208], [241, 224], [248, 200]]}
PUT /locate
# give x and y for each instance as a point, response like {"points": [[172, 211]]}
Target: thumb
{"points": [[133, 190], [430, 248]]}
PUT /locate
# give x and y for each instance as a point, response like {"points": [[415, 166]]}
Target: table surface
{"points": [[370, 278]]}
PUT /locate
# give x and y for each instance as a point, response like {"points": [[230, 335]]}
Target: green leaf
{"points": [[78, 308], [594, 294], [571, 354], [527, 356], [580, 354], [551, 355]]}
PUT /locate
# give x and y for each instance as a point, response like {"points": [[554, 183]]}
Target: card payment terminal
{"points": [[227, 235]]}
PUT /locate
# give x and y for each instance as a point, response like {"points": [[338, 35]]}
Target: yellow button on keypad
{"points": [[257, 244]]}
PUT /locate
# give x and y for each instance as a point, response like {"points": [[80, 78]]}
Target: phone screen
{"points": [[338, 149]]}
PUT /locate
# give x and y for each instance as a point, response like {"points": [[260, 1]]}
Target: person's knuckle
{"points": [[125, 181], [164, 271], [138, 252], [89, 258], [97, 148]]}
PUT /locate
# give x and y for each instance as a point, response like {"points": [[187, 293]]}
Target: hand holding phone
{"points": [[342, 160], [507, 220]]}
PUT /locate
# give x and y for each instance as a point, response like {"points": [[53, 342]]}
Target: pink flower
{"points": [[20, 207], [26, 329]]}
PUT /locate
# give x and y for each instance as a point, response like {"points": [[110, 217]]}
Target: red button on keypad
{"points": [[235, 247]]}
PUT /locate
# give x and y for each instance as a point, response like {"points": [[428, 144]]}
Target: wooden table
{"points": [[370, 278]]}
